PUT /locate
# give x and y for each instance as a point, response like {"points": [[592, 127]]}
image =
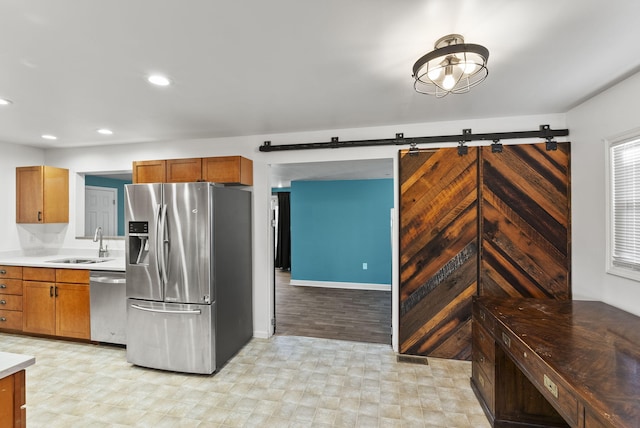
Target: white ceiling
{"points": [[259, 67]]}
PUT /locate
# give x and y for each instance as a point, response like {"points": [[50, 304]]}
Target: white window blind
{"points": [[625, 212]]}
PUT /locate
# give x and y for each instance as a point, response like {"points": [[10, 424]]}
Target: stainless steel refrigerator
{"points": [[188, 272]]}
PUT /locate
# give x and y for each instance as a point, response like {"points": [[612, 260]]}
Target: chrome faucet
{"points": [[102, 251]]}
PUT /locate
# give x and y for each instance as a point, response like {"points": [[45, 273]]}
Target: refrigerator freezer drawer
{"points": [[171, 336]]}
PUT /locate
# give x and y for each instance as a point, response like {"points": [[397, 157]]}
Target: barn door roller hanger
{"points": [[545, 132]]}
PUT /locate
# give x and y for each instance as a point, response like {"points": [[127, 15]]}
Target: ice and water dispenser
{"points": [[138, 242]]}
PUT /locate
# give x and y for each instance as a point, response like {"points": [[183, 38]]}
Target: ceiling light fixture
{"points": [[452, 67], [159, 80], [5, 102], [49, 137], [104, 131]]}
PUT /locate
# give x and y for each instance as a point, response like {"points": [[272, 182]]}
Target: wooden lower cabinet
{"points": [[12, 400], [58, 308], [72, 311], [39, 307]]}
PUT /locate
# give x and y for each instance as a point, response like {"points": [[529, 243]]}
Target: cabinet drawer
{"points": [[10, 320], [38, 274], [75, 276], [10, 302], [554, 390], [11, 272], [483, 350], [11, 286]]}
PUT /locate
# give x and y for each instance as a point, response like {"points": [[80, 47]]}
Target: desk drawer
{"points": [[554, 390], [10, 302], [484, 318], [483, 350], [11, 286], [10, 320], [485, 387]]}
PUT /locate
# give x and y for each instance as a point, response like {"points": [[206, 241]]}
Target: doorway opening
{"points": [[329, 311]]}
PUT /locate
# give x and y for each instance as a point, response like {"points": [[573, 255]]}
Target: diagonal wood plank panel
{"points": [[525, 228], [438, 252]]}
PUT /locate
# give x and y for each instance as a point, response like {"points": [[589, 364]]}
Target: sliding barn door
{"points": [[438, 251], [526, 218]]}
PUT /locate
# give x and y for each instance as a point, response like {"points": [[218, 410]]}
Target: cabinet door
{"points": [[29, 189], [38, 307], [228, 170], [153, 171], [55, 195], [72, 310], [42, 194], [7, 402], [184, 170]]}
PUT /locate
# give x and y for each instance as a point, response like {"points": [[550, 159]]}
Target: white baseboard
{"points": [[259, 334], [347, 285]]}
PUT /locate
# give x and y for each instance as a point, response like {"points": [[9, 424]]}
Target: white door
{"points": [[101, 209]]}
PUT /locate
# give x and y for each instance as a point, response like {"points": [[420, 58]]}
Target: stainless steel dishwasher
{"points": [[108, 307]]}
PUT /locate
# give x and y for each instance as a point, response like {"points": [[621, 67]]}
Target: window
{"points": [[624, 212]]}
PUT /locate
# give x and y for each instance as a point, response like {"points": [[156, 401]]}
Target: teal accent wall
{"points": [[336, 226], [92, 180]]}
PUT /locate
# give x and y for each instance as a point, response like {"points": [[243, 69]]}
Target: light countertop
{"points": [[111, 263], [13, 363]]}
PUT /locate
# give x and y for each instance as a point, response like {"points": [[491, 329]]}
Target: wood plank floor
{"points": [[332, 313]]}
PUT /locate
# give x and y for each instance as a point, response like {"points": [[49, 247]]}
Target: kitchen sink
{"points": [[78, 261]]}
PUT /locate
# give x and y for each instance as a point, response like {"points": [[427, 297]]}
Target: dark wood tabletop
{"points": [[593, 346]]}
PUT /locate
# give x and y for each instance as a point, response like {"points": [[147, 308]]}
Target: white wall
{"points": [[611, 113], [118, 158], [15, 237]]}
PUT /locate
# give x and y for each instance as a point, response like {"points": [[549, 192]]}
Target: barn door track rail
{"points": [[545, 132]]}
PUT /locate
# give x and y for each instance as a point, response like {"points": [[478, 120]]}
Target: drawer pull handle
{"points": [[482, 317], [2, 319], [551, 386], [3, 302], [3, 285], [481, 359], [506, 340], [3, 272]]}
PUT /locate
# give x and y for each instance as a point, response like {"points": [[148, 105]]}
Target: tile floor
{"points": [[286, 381]]}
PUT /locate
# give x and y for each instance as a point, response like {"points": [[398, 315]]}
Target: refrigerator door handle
{"points": [[162, 241], [166, 311], [157, 239]]}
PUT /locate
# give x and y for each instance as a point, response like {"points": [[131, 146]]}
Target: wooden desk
{"points": [[556, 363]]}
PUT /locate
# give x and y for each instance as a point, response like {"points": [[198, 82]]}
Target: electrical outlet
{"points": [[365, 266]]}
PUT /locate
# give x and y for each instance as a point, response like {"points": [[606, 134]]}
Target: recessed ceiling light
{"points": [[49, 137], [105, 131], [159, 80], [5, 102]]}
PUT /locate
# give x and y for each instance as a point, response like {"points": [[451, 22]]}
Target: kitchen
{"points": [[607, 114]]}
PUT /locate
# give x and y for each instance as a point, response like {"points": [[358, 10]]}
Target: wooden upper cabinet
{"points": [[153, 171], [222, 169], [42, 194], [184, 170], [228, 170]]}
